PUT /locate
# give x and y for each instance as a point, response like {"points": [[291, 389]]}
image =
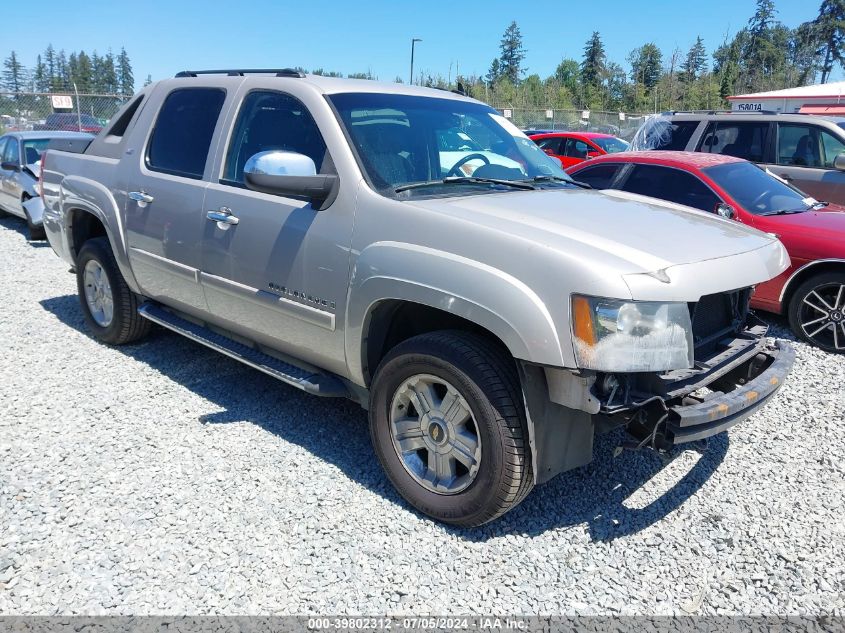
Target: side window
{"points": [[2, 148], [672, 185], [741, 139], [11, 153], [182, 135], [122, 123], [552, 144], [598, 177], [832, 147], [798, 145], [673, 136], [272, 121], [576, 148]]}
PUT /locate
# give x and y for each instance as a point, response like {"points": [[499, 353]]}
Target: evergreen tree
{"points": [[14, 74], [495, 71], [125, 78], [512, 54], [828, 32], [646, 65], [593, 66], [40, 77], [50, 65], [695, 62]]}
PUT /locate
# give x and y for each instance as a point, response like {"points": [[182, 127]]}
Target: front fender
{"points": [[484, 295], [90, 196]]}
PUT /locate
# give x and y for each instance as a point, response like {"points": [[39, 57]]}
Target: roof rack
{"points": [[240, 72], [674, 112]]}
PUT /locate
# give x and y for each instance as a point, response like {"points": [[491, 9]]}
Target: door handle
{"points": [[223, 216], [141, 196]]}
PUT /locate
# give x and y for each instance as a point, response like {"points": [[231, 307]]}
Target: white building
{"points": [[819, 99]]}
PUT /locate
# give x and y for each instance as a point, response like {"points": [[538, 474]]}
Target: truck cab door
{"points": [[164, 207], [276, 270]]}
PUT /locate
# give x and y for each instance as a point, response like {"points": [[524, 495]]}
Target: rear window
{"points": [[744, 139], [182, 135]]}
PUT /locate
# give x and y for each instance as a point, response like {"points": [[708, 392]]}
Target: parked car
{"points": [[571, 148], [70, 122], [811, 292], [21, 155], [805, 150], [318, 229]]}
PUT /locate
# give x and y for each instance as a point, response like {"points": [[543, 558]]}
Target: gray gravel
{"points": [[164, 478]]}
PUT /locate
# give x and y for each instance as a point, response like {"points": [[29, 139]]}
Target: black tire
{"points": [[485, 376], [36, 233], [126, 325], [825, 286]]}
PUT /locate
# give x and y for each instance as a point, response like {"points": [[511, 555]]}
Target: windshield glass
{"points": [[756, 190], [406, 139], [33, 149], [610, 144]]}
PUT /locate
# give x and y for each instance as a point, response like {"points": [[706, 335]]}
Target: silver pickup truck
{"points": [[412, 250]]}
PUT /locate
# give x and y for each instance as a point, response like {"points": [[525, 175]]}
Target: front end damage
{"points": [[737, 369]]}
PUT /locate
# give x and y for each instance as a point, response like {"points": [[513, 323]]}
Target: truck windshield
{"points": [[758, 191], [449, 146]]}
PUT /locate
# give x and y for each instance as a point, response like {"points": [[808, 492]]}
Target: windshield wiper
{"points": [[461, 180], [819, 205], [568, 181], [785, 212]]}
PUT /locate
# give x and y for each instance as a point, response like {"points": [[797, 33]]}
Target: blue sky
{"points": [[359, 35]]}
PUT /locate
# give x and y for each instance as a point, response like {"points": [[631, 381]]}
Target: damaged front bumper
{"points": [[732, 388]]}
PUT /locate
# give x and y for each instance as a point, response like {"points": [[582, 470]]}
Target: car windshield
{"points": [[610, 144], [758, 191], [33, 149], [431, 146]]}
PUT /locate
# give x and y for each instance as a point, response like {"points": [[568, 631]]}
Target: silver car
{"points": [[20, 156]]}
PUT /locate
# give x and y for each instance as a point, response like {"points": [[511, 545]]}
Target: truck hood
{"points": [[641, 234]]}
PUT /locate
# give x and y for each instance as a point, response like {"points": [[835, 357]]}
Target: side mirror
{"points": [[725, 210], [290, 174], [592, 154], [839, 162], [9, 166]]}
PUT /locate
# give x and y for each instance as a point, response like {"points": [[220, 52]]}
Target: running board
{"points": [[316, 383]]}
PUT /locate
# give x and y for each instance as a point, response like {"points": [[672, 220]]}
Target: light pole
{"points": [[414, 41]]}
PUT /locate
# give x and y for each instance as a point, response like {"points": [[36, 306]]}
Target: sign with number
{"points": [[62, 102], [550, 114], [621, 116], [508, 114], [749, 107], [585, 114]]}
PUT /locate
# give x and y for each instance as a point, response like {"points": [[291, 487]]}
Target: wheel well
{"points": [[83, 227], [392, 321], [805, 274]]}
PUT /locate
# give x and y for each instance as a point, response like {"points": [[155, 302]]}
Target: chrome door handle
{"points": [[141, 196], [223, 216]]}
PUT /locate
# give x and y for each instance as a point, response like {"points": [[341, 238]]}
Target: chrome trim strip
{"points": [[267, 299], [807, 265], [174, 268]]}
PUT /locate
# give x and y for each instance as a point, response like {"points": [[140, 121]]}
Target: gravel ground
{"points": [[162, 478]]}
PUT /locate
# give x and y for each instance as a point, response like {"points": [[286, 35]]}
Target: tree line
{"points": [[58, 71], [764, 55]]}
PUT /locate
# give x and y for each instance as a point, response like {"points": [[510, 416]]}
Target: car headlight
{"points": [[614, 335]]}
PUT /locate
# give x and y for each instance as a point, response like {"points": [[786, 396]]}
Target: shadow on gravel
{"points": [[18, 225], [335, 430]]}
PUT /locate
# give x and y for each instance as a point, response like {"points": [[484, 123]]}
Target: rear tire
{"points": [[466, 460], [817, 311], [109, 306]]}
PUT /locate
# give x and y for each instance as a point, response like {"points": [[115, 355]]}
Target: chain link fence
{"points": [[23, 111], [621, 124]]}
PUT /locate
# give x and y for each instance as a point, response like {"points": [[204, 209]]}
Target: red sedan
{"points": [[571, 148], [811, 293]]}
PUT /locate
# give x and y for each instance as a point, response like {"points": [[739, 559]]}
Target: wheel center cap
{"points": [[836, 316], [437, 433]]}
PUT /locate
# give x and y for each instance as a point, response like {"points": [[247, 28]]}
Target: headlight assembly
{"points": [[626, 336]]}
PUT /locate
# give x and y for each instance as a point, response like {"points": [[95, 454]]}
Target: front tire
{"points": [[817, 311], [448, 425], [109, 306]]}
